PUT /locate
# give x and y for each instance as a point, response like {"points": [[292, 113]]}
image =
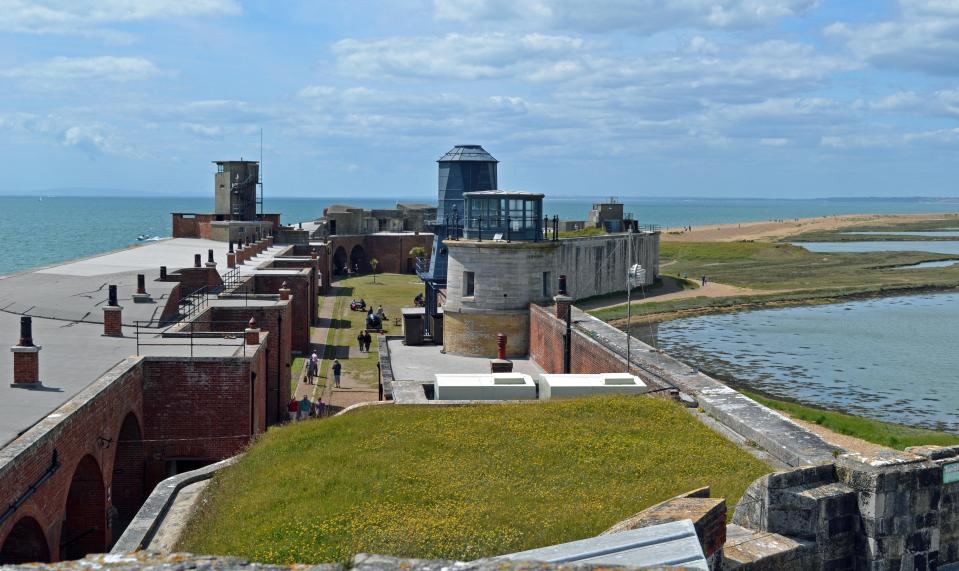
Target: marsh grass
{"points": [[460, 482]]}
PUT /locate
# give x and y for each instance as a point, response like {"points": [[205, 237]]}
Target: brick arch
{"points": [[358, 259], [127, 484], [85, 522], [340, 260], [25, 543]]}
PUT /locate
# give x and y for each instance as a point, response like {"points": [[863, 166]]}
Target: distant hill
{"points": [[79, 191]]}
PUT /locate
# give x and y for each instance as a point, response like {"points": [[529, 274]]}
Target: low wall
{"points": [[546, 334]]}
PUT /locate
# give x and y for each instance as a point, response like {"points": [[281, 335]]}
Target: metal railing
{"points": [[191, 305], [187, 335], [231, 279]]}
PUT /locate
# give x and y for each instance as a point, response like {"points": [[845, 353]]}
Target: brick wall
{"points": [[303, 308], [200, 409], [546, 346], [88, 426], [277, 322]]}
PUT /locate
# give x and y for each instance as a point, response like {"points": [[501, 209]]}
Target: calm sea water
{"points": [[56, 229], [888, 358]]}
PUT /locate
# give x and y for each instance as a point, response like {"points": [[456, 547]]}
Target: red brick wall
{"points": [[546, 346], [302, 306], [26, 367], [192, 279], [89, 425], [392, 251], [269, 319], [200, 408]]}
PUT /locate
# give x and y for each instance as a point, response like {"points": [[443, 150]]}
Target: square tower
{"points": [[235, 188]]}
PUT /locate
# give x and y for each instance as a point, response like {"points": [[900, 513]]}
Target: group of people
{"points": [[364, 339], [375, 321], [305, 408]]}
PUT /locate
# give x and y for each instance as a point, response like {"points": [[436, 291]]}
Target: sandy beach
{"points": [[772, 230]]}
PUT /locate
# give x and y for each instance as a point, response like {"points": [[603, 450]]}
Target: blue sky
{"points": [[737, 98]]}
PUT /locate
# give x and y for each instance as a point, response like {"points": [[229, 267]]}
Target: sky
{"points": [[628, 98]]}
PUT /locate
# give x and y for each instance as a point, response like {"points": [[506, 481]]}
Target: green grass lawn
{"points": [[459, 482], [393, 291], [296, 369], [791, 273], [885, 433]]}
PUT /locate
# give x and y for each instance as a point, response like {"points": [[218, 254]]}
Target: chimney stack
{"points": [[112, 315], [141, 296], [162, 272], [252, 333], [197, 260], [285, 291], [501, 364], [563, 300], [209, 259], [26, 358]]}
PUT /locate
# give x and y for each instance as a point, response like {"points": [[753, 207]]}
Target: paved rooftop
{"points": [[66, 303], [77, 290], [423, 362]]}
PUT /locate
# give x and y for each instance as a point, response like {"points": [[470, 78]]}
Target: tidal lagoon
{"points": [[891, 358]]}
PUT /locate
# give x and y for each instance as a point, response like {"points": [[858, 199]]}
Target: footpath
{"points": [[351, 391]]}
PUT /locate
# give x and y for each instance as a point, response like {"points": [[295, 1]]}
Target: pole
{"points": [[568, 345], [629, 296]]}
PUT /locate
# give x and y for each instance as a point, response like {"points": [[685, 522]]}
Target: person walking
{"points": [[704, 280], [315, 363], [337, 369], [367, 339], [360, 337], [319, 407], [292, 407], [310, 372], [304, 407]]}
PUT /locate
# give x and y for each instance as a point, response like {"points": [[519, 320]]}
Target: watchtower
{"points": [[235, 185]]}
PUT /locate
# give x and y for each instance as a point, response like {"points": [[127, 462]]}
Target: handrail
{"points": [[190, 334]]}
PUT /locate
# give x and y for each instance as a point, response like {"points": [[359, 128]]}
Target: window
{"points": [[468, 284], [547, 281]]}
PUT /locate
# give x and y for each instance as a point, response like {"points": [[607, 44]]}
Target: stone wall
{"points": [[945, 456], [469, 333], [596, 265]]}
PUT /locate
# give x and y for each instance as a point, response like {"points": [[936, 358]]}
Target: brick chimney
{"points": [[197, 260], [231, 257], [26, 358], [141, 296], [562, 299], [252, 333], [112, 315], [285, 291], [240, 253], [500, 364], [210, 263]]}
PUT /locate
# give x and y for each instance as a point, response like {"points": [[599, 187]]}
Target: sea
{"points": [[43, 230]]}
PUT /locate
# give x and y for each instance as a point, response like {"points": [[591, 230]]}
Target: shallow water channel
{"points": [[893, 358]]}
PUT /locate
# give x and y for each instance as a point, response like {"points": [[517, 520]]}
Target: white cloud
{"points": [[95, 17], [535, 57], [644, 16], [97, 139], [63, 71], [925, 37]]}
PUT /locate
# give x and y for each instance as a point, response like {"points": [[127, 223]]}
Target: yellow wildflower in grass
{"points": [[460, 483]]}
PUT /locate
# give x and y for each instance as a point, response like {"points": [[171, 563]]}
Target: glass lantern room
{"points": [[503, 215]]}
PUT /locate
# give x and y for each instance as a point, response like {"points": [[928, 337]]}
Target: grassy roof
{"points": [[460, 482]]}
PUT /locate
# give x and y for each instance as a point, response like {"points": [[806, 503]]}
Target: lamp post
{"points": [[373, 263], [635, 275]]}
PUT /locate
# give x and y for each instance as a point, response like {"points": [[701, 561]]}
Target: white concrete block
{"points": [[566, 386]]}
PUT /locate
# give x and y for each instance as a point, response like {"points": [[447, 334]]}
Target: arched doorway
{"points": [[358, 261], [85, 524], [25, 544], [339, 261], [127, 488]]}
